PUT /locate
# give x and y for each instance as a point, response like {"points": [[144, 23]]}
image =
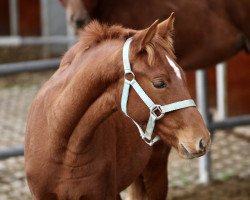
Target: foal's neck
{"points": [[87, 98]]}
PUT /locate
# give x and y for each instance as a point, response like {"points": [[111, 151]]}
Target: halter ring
{"points": [[129, 73], [157, 111]]}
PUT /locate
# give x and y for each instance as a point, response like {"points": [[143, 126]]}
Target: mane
{"points": [[95, 33]]}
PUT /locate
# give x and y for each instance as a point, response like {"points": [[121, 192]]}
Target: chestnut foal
{"points": [[79, 143]]}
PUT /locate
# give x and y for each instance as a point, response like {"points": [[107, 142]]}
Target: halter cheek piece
{"points": [[156, 111]]}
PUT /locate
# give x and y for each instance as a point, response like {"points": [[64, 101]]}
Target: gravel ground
{"points": [[232, 189], [229, 152]]}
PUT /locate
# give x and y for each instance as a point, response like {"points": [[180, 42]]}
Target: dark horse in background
{"points": [[207, 31]]}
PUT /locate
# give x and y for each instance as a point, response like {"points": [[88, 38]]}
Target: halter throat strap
{"points": [[156, 111]]}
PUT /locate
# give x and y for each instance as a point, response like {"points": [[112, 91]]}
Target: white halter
{"points": [[156, 111]]}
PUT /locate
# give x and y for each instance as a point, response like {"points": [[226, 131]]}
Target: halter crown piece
{"points": [[156, 111]]}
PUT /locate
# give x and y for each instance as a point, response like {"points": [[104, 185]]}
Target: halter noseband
{"points": [[156, 111]]}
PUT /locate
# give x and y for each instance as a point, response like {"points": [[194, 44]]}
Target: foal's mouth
{"points": [[184, 153]]}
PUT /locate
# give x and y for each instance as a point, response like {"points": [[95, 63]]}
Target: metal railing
{"points": [[7, 41], [203, 106], [11, 152], [29, 66]]}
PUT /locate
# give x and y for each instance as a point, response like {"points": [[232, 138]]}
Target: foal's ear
{"points": [[145, 36], [166, 28]]}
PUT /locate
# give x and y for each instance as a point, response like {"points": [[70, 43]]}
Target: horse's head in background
{"points": [[152, 61], [77, 12]]}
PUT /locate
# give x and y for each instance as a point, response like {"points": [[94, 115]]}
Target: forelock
{"points": [[159, 43]]}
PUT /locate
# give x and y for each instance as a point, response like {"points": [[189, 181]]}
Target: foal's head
{"points": [[153, 63]]}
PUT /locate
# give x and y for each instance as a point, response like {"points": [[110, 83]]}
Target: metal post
{"points": [[44, 17], [202, 103], [14, 14], [52, 15], [221, 90], [45, 24], [70, 35]]}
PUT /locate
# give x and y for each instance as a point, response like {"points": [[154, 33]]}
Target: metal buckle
{"points": [[155, 110]]}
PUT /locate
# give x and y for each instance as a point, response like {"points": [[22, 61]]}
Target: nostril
{"points": [[80, 23], [202, 145]]}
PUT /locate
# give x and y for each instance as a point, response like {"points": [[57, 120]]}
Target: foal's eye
{"points": [[159, 84]]}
